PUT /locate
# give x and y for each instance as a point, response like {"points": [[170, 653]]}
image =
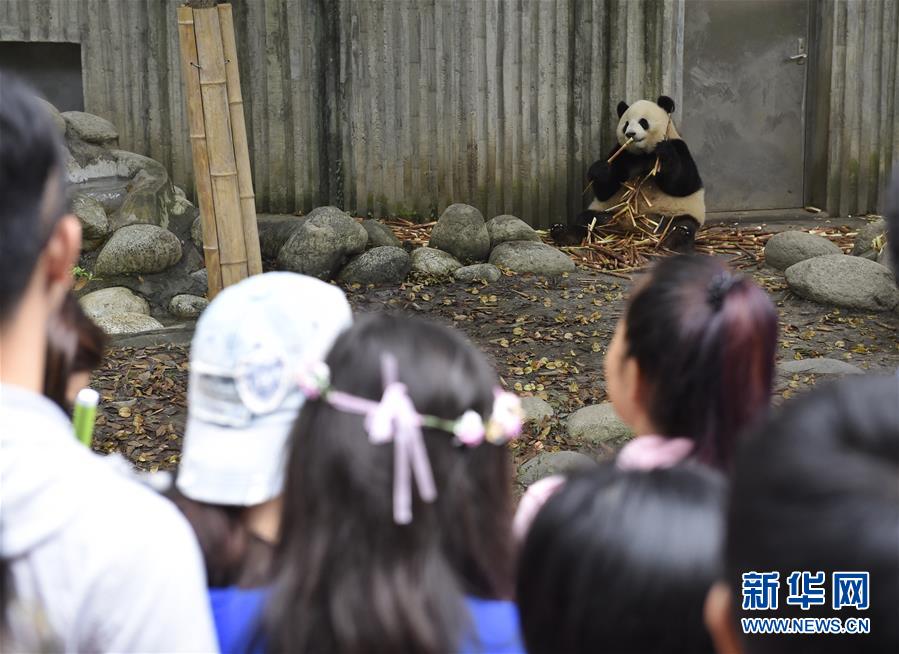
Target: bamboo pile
{"points": [[219, 145]]}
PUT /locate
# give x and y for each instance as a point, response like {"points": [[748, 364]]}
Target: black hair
{"points": [[348, 578], [892, 218], [704, 339], [621, 561], [817, 489], [30, 156]]}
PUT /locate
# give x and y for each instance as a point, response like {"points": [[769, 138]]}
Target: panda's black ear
{"points": [[666, 103], [622, 107]]}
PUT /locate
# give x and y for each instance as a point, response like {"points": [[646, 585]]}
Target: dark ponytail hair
{"points": [[349, 579], [704, 339], [621, 561]]}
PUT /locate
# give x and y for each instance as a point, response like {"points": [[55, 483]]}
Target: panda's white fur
{"points": [[656, 202]]}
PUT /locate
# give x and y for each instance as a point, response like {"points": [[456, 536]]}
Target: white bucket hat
{"points": [[243, 396]]}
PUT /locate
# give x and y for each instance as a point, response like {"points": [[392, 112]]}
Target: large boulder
{"points": [[274, 230], [379, 234], [461, 231], [597, 424], [478, 272], [180, 204], [127, 323], [536, 410], [91, 128], [112, 301], [94, 223], [433, 262], [786, 248], [138, 249], [196, 232], [531, 257], [149, 201], [322, 243], [552, 463], [886, 259], [187, 306], [386, 264], [509, 228], [845, 281], [58, 121], [864, 241], [816, 366]]}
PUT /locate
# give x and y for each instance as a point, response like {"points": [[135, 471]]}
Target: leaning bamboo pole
{"points": [[191, 75], [239, 135]]}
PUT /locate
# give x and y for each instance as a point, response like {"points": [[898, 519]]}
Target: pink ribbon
{"points": [[395, 419]]}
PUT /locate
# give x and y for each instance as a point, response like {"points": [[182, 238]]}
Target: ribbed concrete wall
{"points": [[390, 106]]}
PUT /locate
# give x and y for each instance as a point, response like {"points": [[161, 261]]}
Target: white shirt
{"points": [[107, 563]]}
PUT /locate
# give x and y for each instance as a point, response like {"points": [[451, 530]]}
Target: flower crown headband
{"points": [[395, 419]]}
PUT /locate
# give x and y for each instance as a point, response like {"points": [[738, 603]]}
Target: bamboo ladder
{"points": [[218, 139]]}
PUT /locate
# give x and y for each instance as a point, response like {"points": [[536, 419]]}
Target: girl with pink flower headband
{"points": [[397, 501]]}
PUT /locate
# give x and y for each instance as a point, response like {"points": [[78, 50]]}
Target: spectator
{"points": [[108, 564], [74, 349], [621, 561], [242, 401], [395, 530], [816, 489]]}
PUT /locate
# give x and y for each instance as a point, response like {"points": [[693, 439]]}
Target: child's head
{"points": [[621, 561], [74, 349], [352, 577], [693, 356], [816, 489]]}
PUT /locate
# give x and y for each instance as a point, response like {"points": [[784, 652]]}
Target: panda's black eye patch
{"points": [[644, 123], [624, 129]]}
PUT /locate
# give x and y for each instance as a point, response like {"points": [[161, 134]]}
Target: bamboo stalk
{"points": [[239, 136], [222, 164], [191, 75], [620, 150]]}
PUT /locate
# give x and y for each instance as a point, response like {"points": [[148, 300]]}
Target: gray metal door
{"points": [[745, 69]]}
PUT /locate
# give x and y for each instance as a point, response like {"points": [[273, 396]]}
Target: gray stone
{"points": [[509, 228], [110, 192], [461, 231], [91, 128], [187, 306], [274, 230], [94, 223], [200, 280], [786, 248], [864, 241], [55, 116], [433, 262], [845, 281], [552, 463], [196, 232], [113, 301], [531, 257], [817, 366], [180, 204], [148, 202], [127, 323], [138, 249], [478, 272], [597, 424], [536, 410], [321, 244], [386, 264], [885, 258], [379, 234]]}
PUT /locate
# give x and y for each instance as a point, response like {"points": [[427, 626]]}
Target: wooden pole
{"points": [[191, 74], [222, 164], [241, 147]]}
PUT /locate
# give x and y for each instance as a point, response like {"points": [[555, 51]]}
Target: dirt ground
{"points": [[546, 337]]}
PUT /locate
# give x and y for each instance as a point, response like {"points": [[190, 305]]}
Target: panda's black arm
{"points": [[678, 175], [606, 179]]}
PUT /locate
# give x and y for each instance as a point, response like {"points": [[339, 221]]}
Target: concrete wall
{"points": [[409, 105]]}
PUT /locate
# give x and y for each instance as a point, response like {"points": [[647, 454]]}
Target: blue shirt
{"points": [[237, 611]]}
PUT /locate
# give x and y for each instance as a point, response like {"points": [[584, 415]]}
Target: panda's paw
{"points": [[666, 151], [681, 236], [600, 172], [568, 234], [595, 219]]}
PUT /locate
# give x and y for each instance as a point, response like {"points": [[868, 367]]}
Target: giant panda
{"points": [[675, 194]]}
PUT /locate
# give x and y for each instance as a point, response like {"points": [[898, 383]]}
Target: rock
{"points": [[137, 249], [91, 128], [864, 242], [479, 272], [274, 230], [386, 264], [113, 301], [148, 202], [200, 280], [531, 257], [379, 234], [433, 262], [127, 323], [94, 224], [187, 306], [461, 231], [196, 233], [885, 258], [110, 192], [552, 463], [55, 116], [817, 366], [321, 244], [509, 228], [845, 281], [536, 410], [597, 424], [786, 248], [180, 205]]}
